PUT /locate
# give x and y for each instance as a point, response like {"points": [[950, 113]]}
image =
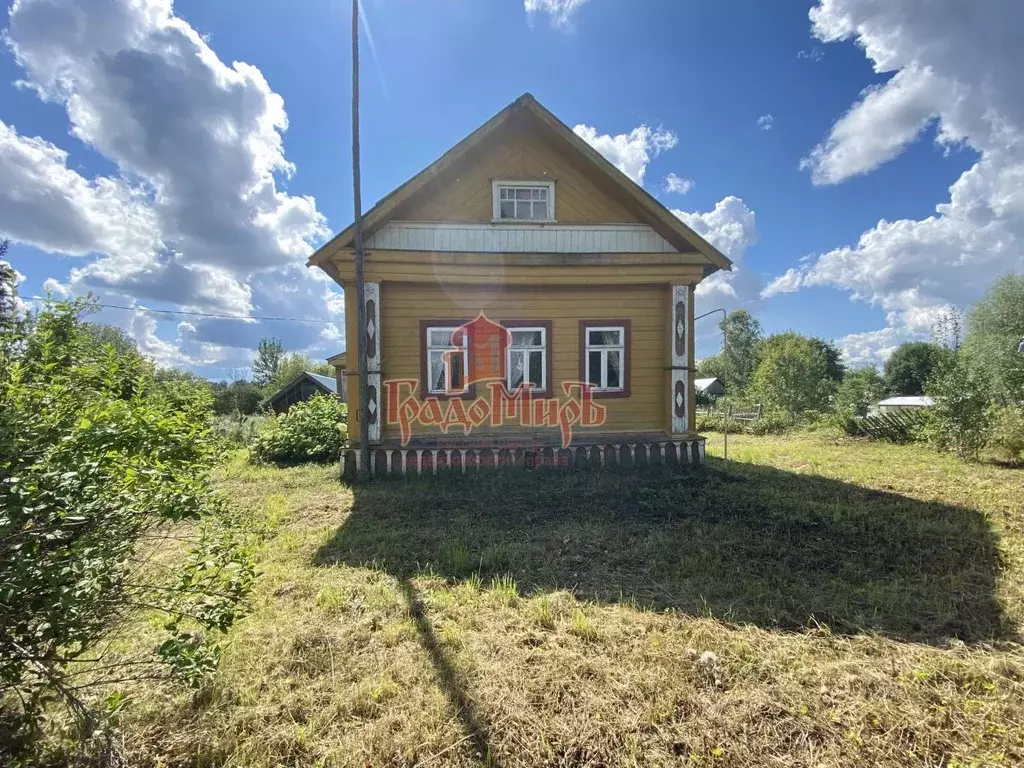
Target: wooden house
{"points": [[301, 387], [526, 302]]}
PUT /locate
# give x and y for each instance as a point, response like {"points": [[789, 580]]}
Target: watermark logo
{"points": [[466, 388]]}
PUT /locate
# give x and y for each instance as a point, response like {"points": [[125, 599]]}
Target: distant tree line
{"points": [[973, 368]]}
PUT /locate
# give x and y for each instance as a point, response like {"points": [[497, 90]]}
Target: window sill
{"points": [[600, 394], [468, 394], [534, 392]]}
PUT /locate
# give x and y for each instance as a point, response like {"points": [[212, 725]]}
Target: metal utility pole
{"points": [[364, 395], [728, 412]]}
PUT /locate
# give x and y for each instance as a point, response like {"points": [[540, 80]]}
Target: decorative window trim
{"points": [[469, 392], [496, 202], [627, 352], [546, 325]]}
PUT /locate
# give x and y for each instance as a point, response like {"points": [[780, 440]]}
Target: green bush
{"points": [[97, 461], [960, 419], [773, 423], [1006, 433], [238, 430], [313, 430]]}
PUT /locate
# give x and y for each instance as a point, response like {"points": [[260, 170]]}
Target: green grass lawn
{"points": [[809, 603]]}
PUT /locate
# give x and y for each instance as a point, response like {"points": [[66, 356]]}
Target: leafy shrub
{"points": [[856, 393], [959, 420], [1006, 433], [238, 430], [769, 424], [97, 461], [313, 430], [773, 423]]}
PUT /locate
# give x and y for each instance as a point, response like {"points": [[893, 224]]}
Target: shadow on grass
{"points": [[743, 543]]}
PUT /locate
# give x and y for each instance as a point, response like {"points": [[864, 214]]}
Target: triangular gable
{"points": [[662, 220]]}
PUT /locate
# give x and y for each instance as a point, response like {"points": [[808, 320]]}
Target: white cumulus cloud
{"points": [[195, 214], [677, 184], [877, 128], [958, 64], [629, 152], [732, 228]]}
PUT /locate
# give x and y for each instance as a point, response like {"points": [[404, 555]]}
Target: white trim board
{"points": [[517, 237]]}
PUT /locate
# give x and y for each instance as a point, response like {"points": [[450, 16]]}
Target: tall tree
{"points": [[908, 368], [834, 367], [793, 374], [240, 396], [8, 294], [995, 329], [948, 330], [104, 335], [740, 355], [268, 357]]}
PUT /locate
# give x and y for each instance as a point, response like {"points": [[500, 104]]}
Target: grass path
{"points": [[812, 603]]}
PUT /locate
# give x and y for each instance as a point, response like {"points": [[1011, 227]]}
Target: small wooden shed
{"points": [[300, 388], [712, 387]]}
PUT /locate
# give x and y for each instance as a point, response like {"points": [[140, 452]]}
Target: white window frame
{"points": [[497, 184], [428, 348], [604, 349], [512, 349]]}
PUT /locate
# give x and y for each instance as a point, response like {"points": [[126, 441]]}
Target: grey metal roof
{"points": [[328, 381]]}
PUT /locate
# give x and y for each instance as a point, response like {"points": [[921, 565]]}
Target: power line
{"points": [[220, 315]]}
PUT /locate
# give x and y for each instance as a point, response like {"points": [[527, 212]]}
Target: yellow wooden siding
{"points": [[403, 306], [463, 193]]}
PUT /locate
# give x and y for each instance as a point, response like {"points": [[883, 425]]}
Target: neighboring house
{"points": [[339, 363], [300, 388], [903, 403], [523, 257], [710, 387]]}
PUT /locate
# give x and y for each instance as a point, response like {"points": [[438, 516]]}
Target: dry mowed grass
{"points": [[809, 603]]}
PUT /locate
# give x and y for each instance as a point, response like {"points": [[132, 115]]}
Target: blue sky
{"points": [[817, 139]]}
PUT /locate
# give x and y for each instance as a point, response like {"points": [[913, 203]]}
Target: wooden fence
{"points": [[895, 426]]}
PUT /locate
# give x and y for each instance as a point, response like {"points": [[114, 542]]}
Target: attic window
{"points": [[524, 200]]}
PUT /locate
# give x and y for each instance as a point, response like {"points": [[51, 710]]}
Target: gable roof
{"points": [[656, 215], [326, 383], [703, 385]]}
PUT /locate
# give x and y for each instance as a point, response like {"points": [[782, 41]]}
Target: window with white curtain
{"points": [[445, 360], [527, 358], [605, 357]]}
